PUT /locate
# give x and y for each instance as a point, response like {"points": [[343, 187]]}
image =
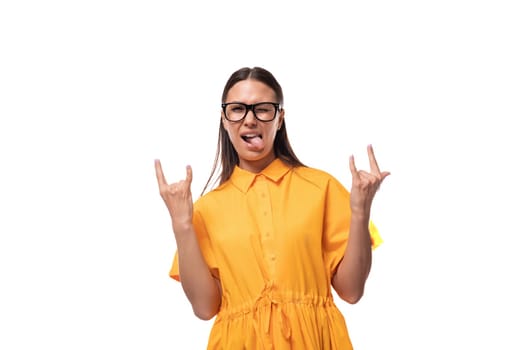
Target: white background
{"points": [[92, 92]]}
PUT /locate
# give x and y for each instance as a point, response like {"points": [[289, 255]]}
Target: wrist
{"points": [[181, 229], [360, 216]]}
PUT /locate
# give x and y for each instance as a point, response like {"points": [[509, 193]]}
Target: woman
{"points": [[263, 249]]}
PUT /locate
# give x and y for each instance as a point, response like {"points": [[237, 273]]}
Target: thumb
{"points": [[189, 174], [384, 174]]}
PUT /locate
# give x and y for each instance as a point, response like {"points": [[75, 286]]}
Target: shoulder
{"points": [[315, 176], [212, 198]]}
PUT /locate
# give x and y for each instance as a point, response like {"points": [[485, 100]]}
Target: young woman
{"points": [[262, 250]]}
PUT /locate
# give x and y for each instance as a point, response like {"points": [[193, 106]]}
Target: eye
{"points": [[264, 108], [236, 108]]}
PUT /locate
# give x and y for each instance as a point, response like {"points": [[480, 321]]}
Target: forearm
{"points": [[352, 272], [199, 285]]}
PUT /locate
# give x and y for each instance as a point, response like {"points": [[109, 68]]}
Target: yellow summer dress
{"points": [[274, 240]]}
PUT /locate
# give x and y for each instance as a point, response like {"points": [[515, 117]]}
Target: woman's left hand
{"points": [[364, 184]]}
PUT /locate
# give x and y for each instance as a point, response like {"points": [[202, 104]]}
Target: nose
{"points": [[250, 118]]}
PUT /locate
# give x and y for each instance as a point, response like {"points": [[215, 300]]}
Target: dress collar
{"points": [[243, 179]]}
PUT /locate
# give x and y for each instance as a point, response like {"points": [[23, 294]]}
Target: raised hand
{"points": [[177, 197], [365, 184]]}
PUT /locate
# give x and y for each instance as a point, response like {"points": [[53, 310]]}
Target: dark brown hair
{"points": [[225, 150]]}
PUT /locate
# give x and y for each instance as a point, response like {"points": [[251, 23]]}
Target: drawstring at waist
{"points": [[262, 314]]}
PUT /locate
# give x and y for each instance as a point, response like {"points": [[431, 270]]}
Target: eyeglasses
{"points": [[263, 111]]}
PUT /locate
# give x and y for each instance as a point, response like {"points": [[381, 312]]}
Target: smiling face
{"points": [[252, 139]]}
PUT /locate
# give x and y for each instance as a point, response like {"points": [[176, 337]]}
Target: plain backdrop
{"points": [[91, 92]]}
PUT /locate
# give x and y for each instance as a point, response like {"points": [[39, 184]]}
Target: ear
{"points": [[281, 119], [223, 120], [224, 124]]}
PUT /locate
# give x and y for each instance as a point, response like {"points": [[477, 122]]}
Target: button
{"points": [[265, 213], [272, 257]]}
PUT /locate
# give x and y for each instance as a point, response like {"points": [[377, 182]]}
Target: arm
{"points": [[200, 287], [351, 274]]}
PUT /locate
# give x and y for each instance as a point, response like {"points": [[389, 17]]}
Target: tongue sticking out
{"points": [[255, 143]]}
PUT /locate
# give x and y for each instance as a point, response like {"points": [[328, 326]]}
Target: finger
{"points": [[373, 178], [353, 169], [189, 174], [384, 174], [368, 179], [374, 167], [160, 174]]}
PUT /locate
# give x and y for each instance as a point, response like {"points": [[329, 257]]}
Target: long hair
{"points": [[226, 153]]}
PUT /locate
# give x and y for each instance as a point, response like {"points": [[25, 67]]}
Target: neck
{"points": [[256, 166]]}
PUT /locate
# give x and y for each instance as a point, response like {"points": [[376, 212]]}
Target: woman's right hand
{"points": [[177, 197]]}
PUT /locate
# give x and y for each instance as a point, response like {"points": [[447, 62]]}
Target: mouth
{"points": [[251, 137], [254, 141]]}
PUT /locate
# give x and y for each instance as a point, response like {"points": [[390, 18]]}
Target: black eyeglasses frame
{"points": [[251, 108]]}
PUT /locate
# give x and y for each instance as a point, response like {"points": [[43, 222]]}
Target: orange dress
{"points": [[274, 240]]}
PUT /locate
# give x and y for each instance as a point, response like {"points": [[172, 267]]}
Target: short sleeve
{"points": [[204, 244], [374, 235], [336, 225]]}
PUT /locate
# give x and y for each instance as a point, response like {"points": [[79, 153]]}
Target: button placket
{"points": [[266, 221]]}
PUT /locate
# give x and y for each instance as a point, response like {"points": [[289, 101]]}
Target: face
{"points": [[251, 138]]}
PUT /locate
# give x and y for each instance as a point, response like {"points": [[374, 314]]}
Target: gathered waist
{"points": [[281, 310], [269, 300]]}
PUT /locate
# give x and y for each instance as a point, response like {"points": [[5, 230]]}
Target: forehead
{"points": [[250, 91]]}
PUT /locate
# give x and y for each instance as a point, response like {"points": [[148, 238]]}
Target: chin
{"points": [[255, 157], [252, 155]]}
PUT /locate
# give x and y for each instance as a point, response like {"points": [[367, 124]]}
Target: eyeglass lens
{"points": [[263, 111]]}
